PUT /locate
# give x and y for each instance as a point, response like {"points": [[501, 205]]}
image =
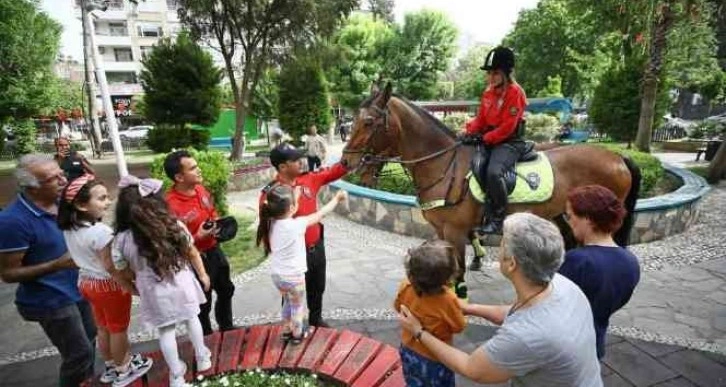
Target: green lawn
{"points": [[242, 252]]}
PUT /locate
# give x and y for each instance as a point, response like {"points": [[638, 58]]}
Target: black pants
{"points": [[72, 330], [501, 159], [313, 163], [217, 267], [315, 281]]}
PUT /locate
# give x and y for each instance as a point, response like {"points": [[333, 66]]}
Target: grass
{"points": [[242, 252]]}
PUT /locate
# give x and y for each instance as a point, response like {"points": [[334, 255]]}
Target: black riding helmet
{"points": [[500, 58]]}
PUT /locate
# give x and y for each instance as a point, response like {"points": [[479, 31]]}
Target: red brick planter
{"points": [[343, 357]]}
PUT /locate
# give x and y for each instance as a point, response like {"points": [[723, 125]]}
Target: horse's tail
{"points": [[623, 234]]}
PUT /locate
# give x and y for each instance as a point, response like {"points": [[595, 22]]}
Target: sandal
{"points": [[286, 336]]}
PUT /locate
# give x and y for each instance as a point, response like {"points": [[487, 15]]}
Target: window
{"points": [[123, 55], [120, 77], [115, 5], [172, 5], [118, 29], [150, 30], [101, 50], [145, 50]]}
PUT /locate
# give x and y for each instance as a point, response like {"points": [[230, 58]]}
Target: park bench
{"points": [[699, 152], [341, 357]]}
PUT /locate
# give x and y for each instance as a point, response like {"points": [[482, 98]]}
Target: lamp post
{"points": [[91, 5]]}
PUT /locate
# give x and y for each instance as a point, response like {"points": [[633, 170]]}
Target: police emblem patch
{"points": [[513, 111], [533, 180]]}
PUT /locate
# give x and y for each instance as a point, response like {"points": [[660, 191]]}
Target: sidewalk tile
{"points": [[697, 368], [635, 365]]}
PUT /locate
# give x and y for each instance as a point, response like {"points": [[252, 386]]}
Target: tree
{"points": [[303, 97], [250, 35], [717, 168], [30, 41], [358, 59], [553, 87], [467, 76], [421, 50], [615, 106], [381, 9], [553, 41], [181, 84]]}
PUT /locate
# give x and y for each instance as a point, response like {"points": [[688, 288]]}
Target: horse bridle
{"points": [[369, 158]]}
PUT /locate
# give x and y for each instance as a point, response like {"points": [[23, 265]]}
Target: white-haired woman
{"points": [[546, 336]]}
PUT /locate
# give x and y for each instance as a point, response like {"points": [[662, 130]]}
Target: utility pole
{"points": [[91, 114], [105, 95]]}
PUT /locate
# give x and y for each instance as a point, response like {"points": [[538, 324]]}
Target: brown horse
{"points": [[389, 128]]}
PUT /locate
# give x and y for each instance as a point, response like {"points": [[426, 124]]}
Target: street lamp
{"points": [[88, 7]]}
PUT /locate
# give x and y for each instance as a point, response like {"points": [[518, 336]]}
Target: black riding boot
{"points": [[496, 208]]}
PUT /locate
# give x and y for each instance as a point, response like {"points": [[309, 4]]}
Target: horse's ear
{"points": [[387, 92]]}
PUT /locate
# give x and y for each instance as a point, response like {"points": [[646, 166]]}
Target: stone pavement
{"points": [[672, 333]]}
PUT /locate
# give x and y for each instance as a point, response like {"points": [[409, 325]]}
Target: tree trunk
{"points": [[717, 168], [662, 21]]}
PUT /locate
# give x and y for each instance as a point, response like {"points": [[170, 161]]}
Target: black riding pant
{"points": [[217, 267], [315, 280], [501, 159]]}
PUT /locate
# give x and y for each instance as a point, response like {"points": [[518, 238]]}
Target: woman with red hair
{"points": [[604, 271]]}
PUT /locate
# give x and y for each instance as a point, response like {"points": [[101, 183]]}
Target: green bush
{"points": [[708, 130], [650, 167], [215, 171], [456, 121], [24, 132], [541, 127], [303, 97], [258, 378], [393, 178], [164, 138]]}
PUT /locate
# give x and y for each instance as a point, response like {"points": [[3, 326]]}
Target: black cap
{"points": [[500, 58], [285, 152]]}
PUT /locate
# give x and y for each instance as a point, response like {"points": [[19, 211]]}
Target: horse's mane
{"points": [[419, 110]]}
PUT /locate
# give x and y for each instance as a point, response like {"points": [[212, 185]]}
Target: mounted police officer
{"points": [[499, 126]]}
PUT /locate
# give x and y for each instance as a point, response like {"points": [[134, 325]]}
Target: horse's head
{"points": [[374, 136]]}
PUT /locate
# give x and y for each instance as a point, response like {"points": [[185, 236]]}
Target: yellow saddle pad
{"points": [[537, 188]]}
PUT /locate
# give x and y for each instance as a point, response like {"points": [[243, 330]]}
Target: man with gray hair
{"points": [[33, 254], [546, 336]]}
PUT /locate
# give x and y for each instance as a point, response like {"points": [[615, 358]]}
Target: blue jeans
{"points": [[72, 330], [420, 371]]}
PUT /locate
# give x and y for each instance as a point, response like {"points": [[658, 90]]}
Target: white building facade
{"points": [[124, 34]]}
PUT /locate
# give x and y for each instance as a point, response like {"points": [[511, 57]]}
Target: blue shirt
{"points": [[25, 227], [607, 275]]}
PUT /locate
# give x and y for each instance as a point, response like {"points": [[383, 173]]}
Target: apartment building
{"points": [[124, 34]]}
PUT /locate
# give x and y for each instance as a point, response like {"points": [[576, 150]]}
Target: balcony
{"points": [[125, 89], [113, 41], [121, 66]]}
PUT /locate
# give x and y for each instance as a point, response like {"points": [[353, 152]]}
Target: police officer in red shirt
{"points": [[289, 163], [191, 203], [499, 125]]}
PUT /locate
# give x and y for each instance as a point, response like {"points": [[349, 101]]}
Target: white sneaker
{"points": [[109, 374], [138, 366], [204, 363], [178, 380]]}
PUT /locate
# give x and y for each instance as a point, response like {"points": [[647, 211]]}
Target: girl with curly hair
{"points": [[159, 250]]}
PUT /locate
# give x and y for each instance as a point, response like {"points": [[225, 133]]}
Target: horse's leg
{"points": [[458, 238], [479, 252]]}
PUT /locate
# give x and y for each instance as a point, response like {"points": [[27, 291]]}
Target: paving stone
{"points": [[677, 382], [635, 365], [612, 339], [615, 380], [605, 370], [654, 349], [697, 368]]}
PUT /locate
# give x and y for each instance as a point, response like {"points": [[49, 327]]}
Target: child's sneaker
{"points": [[178, 379], [204, 363], [138, 366], [109, 374]]}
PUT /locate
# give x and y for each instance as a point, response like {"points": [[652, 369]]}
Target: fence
{"points": [[128, 145], [668, 133]]}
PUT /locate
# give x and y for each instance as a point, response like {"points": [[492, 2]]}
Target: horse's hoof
{"points": [[475, 264], [462, 291]]}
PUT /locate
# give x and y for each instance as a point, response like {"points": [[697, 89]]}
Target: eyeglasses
{"points": [[60, 176]]}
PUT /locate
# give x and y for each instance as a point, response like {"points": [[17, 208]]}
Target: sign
{"points": [[121, 105]]}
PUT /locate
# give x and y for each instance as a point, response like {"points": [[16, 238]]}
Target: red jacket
{"points": [[193, 211], [499, 114], [311, 183]]}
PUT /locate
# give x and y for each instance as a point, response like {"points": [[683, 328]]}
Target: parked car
{"points": [[135, 132]]}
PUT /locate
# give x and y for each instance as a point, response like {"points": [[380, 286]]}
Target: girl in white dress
{"points": [[160, 250]]}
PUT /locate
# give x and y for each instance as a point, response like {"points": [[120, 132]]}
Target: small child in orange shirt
{"points": [[427, 294]]}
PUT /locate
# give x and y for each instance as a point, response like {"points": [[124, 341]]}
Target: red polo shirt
{"points": [[311, 183], [193, 211], [499, 114]]}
